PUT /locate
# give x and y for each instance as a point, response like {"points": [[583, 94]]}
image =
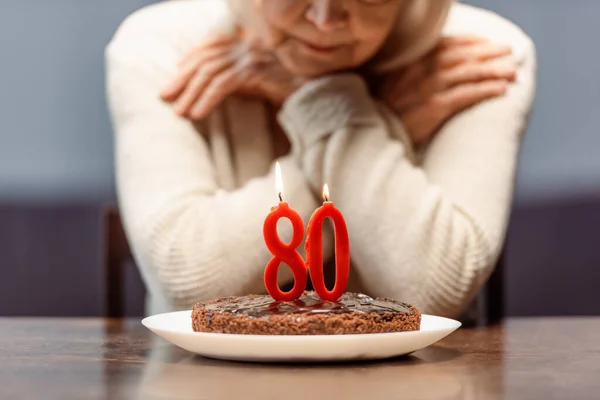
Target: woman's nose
{"points": [[327, 15]]}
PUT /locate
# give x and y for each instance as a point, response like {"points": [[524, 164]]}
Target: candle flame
{"points": [[326, 192], [278, 181]]}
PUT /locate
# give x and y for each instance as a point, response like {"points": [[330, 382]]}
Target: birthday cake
{"points": [[352, 313], [298, 311]]}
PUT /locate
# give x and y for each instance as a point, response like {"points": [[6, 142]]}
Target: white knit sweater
{"points": [[425, 228]]}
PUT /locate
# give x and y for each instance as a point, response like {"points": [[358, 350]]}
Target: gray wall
{"points": [[56, 152], [560, 154], [55, 138]]}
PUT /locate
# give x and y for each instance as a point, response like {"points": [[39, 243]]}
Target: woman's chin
{"points": [[305, 66], [306, 69]]}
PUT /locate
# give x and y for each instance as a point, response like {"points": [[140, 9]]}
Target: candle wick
{"points": [[280, 197], [326, 198]]}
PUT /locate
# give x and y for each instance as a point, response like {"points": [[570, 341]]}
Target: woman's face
{"points": [[315, 37]]}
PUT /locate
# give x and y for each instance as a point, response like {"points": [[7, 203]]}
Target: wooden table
{"points": [[114, 359]]}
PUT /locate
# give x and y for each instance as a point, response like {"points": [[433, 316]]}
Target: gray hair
{"points": [[416, 32]]}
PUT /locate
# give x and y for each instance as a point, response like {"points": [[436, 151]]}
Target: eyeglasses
{"points": [[363, 2], [374, 2]]}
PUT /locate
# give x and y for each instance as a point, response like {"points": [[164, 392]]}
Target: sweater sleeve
{"points": [[430, 233], [192, 241]]}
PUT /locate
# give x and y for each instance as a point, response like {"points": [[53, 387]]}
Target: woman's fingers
{"points": [[452, 52], [456, 99], [460, 72], [477, 72], [194, 89], [219, 87], [215, 41], [477, 52], [188, 69], [174, 88], [460, 40]]}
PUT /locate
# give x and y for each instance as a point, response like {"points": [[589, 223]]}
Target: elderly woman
{"points": [[411, 110]]}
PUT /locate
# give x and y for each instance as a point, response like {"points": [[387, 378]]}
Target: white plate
{"points": [[176, 327]]}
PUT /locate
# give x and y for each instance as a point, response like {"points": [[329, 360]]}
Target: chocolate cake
{"points": [[353, 313]]}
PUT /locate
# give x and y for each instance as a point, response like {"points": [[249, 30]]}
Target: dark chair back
{"points": [[488, 306], [117, 255]]}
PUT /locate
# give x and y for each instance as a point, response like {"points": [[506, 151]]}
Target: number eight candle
{"points": [[281, 251], [314, 249]]}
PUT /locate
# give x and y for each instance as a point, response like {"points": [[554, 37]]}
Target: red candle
{"points": [[281, 251], [314, 249]]}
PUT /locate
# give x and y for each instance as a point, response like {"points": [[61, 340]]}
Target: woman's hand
{"points": [[222, 66], [459, 73]]}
